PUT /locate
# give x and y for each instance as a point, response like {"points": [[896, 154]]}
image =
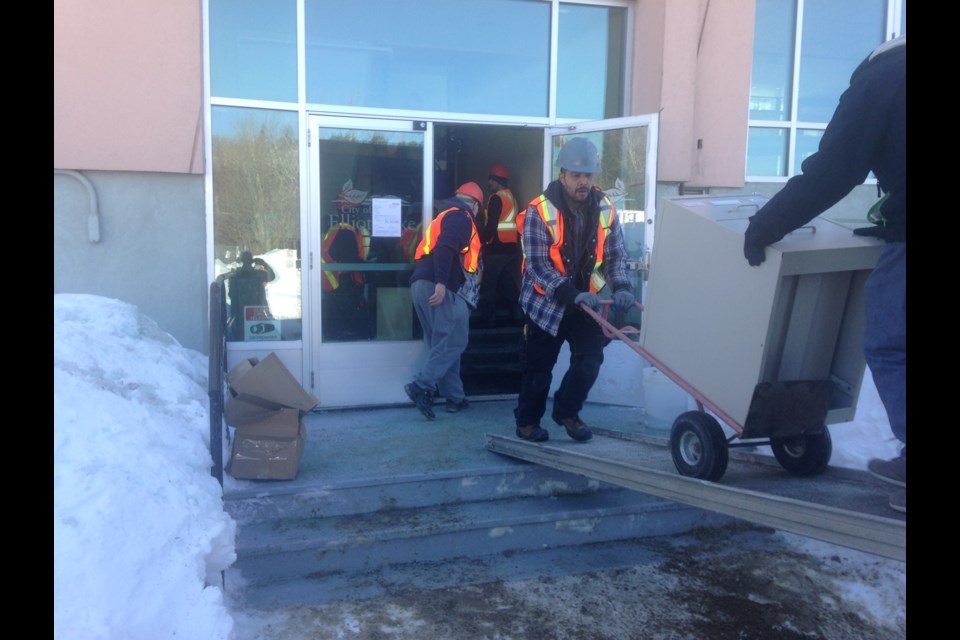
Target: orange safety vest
{"points": [[470, 253], [331, 279], [554, 221], [507, 225]]}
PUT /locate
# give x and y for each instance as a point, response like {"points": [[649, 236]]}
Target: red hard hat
{"points": [[500, 171], [471, 189]]}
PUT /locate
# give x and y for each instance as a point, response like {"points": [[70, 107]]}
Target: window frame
{"points": [[895, 16]]}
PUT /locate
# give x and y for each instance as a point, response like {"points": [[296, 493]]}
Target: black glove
{"points": [[754, 244], [592, 300]]}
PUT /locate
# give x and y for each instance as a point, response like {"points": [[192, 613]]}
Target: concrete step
{"points": [[428, 504], [272, 553], [357, 496], [387, 580]]}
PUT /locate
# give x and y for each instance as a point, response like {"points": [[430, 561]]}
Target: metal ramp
{"points": [[840, 506]]}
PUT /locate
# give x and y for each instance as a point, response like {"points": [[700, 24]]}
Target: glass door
{"points": [[628, 158], [367, 186]]}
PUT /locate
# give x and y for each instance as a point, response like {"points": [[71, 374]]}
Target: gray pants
{"points": [[446, 330]]}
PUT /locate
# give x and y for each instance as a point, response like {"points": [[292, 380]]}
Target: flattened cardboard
{"points": [[268, 383], [266, 457]]}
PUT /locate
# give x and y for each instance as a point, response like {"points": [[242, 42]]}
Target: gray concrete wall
{"points": [[152, 247]]}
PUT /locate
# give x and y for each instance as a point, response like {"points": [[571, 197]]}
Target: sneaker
{"points": [[898, 501], [893, 471], [576, 428], [453, 407], [533, 433], [422, 398]]}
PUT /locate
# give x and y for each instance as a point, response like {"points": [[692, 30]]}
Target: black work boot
{"points": [[421, 397], [576, 428], [533, 433]]}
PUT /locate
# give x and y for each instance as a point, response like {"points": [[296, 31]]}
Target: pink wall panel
{"points": [[127, 85]]}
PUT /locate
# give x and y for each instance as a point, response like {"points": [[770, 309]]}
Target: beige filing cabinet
{"points": [[730, 330]]}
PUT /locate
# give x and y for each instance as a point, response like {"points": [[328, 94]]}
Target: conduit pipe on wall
{"points": [[93, 218]]}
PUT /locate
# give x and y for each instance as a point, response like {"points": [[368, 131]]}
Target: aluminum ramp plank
{"points": [[616, 458]]}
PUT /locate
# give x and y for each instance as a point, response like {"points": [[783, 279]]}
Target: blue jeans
{"points": [[446, 330], [885, 334]]}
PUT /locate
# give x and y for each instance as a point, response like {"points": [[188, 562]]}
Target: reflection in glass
{"points": [[767, 155], [772, 71], [836, 37], [253, 49], [256, 210], [590, 61], [438, 55], [371, 203]]}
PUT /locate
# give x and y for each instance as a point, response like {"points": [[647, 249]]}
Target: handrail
{"points": [[216, 374]]}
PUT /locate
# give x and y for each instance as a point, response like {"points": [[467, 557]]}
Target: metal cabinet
{"points": [[726, 328]]}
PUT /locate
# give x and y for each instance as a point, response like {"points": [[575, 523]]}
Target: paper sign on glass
{"points": [[386, 217]]}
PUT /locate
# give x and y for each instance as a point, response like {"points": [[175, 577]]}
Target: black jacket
{"points": [[444, 263], [868, 132]]}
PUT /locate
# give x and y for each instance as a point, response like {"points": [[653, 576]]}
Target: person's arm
{"points": [[843, 160], [536, 245], [267, 269]]}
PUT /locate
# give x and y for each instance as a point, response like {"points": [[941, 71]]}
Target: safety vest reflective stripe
{"points": [[331, 279], [507, 226], [554, 222], [470, 253]]}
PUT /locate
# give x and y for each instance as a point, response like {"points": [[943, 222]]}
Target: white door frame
{"points": [[346, 374]]}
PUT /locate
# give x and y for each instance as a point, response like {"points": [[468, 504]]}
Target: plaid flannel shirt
{"points": [[545, 310]]}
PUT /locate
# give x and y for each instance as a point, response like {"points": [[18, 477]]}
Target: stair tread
{"points": [[337, 531]]}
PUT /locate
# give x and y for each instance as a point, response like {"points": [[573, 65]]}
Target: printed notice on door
{"points": [[386, 217]]}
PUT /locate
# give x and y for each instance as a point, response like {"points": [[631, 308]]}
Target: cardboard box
{"points": [[237, 412], [269, 448], [269, 384], [266, 404]]}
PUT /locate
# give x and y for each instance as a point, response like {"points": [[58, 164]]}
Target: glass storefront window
{"points": [[371, 209], [256, 209], [772, 72], [768, 152], [591, 53], [437, 55], [836, 38], [253, 49]]}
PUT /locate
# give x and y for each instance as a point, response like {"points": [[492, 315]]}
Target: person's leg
{"points": [[455, 318], [420, 291], [538, 355], [446, 340], [885, 334], [885, 350], [512, 268], [421, 392], [489, 285], [586, 341]]}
